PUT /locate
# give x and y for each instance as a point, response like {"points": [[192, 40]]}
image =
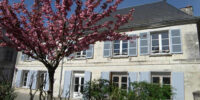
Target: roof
{"points": [[154, 14]]}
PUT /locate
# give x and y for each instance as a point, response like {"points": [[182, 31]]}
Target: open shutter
{"points": [[145, 76], [144, 43], [132, 77], [132, 45], [178, 85], [29, 78], [105, 75], [66, 87], [176, 46], [89, 52], [18, 78], [22, 57], [87, 77], [107, 52], [46, 88], [35, 74]]}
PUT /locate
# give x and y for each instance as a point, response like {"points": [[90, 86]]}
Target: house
{"points": [[166, 52]]}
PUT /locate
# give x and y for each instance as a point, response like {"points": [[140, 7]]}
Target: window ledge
{"points": [[119, 56], [158, 55], [83, 58]]}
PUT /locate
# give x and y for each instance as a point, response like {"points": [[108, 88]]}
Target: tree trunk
{"points": [[51, 82]]}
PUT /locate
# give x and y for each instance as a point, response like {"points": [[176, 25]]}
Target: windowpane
{"points": [[166, 80], [116, 52], [84, 52], [76, 88], [76, 80], [165, 42], [155, 42], [81, 89], [124, 51], [165, 35], [116, 46], [124, 79], [124, 86], [125, 45], [116, 41], [156, 80], [155, 36], [82, 80], [115, 79]]}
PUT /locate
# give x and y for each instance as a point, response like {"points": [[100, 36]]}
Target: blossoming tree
{"points": [[52, 30]]}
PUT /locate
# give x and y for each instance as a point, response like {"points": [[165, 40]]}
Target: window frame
{"points": [[119, 75], [82, 55], [44, 79], [120, 48], [23, 78], [160, 45], [78, 94]]}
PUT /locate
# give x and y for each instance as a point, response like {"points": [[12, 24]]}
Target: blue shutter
{"points": [[144, 43], [35, 74], [29, 78], [66, 87], [22, 57], [132, 77], [145, 76], [18, 78], [105, 75], [87, 77], [176, 46], [178, 85], [132, 45], [107, 52], [46, 88], [71, 56], [89, 52]]}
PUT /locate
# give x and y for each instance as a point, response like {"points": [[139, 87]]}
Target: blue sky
{"points": [[129, 3]]}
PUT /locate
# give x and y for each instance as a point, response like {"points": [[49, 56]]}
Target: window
{"points": [[163, 78], [81, 54], [42, 79], [120, 79], [120, 47], [25, 78], [160, 42], [78, 83], [25, 57]]}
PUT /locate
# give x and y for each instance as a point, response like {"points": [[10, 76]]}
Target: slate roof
{"points": [[154, 14]]}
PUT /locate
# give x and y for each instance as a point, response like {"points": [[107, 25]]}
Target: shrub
{"points": [[6, 91]]}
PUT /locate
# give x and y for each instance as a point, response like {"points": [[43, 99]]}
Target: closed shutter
{"points": [[46, 88], [89, 52], [29, 79], [178, 85], [105, 75], [18, 78], [132, 51], [66, 87], [176, 45], [144, 43], [35, 78], [71, 56], [87, 77], [107, 52], [145, 76], [132, 77]]}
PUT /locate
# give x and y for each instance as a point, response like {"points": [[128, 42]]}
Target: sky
{"points": [[129, 3]]}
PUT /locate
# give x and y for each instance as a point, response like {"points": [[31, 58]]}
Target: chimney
{"points": [[188, 10]]}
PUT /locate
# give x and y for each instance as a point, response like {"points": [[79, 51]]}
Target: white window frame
{"points": [[120, 48], [26, 58], [25, 77], [82, 56], [77, 94], [120, 79], [160, 42]]}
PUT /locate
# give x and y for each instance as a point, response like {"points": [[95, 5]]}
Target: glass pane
{"points": [[155, 49], [82, 80], [116, 52], [124, 79], [117, 41], [165, 49], [165, 35], [84, 52], [124, 41], [165, 42], [124, 51], [154, 36], [115, 79], [125, 45], [76, 80], [124, 86], [116, 46], [76, 88], [116, 84], [155, 42], [166, 80], [81, 89], [156, 80]]}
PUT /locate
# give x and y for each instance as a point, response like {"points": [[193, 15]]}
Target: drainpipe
{"points": [[61, 73]]}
